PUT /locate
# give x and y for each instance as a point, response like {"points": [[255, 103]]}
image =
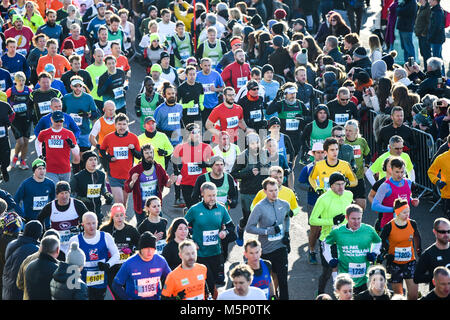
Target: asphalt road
{"points": [[303, 277]]}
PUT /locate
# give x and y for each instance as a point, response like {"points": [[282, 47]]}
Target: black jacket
{"points": [[429, 85], [436, 29], [253, 112], [58, 285], [336, 55], [243, 169], [16, 252], [38, 275], [406, 16]]}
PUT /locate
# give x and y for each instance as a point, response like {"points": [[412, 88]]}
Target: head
{"points": [[89, 223], [209, 193], [90, 159], [331, 148], [187, 252], [242, 277], [441, 281], [398, 169], [434, 64], [300, 74], [338, 133], [218, 165], [271, 145], [331, 43], [317, 151], [195, 134], [290, 92], [118, 214], [239, 56], [343, 287], [277, 173], [111, 63], [121, 123], [205, 65], [40, 40], [39, 169], [252, 250], [229, 95], [441, 230], [11, 46], [77, 85], [169, 93], [115, 49], [396, 146], [376, 280], [343, 96], [211, 34], [99, 56], [50, 246], [17, 22], [401, 209], [271, 189], [337, 183], [179, 230], [191, 74], [62, 192], [150, 124], [353, 214], [153, 206], [109, 109], [165, 15], [147, 246], [148, 153]]}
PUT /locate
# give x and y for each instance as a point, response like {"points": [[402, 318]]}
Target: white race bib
{"points": [[292, 124], [56, 143], [64, 237], [79, 51], [256, 115], [20, 107], [357, 270], [192, 111], [160, 244], [341, 118], [278, 236], [210, 238], [193, 169], [93, 190], [39, 202], [22, 52], [232, 122], [78, 120], [402, 254], [173, 119], [207, 88], [242, 81], [94, 278], [147, 287], [148, 188], [118, 93], [121, 153], [185, 54], [44, 107]]}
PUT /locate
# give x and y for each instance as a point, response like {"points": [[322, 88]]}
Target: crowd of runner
{"points": [[236, 98]]}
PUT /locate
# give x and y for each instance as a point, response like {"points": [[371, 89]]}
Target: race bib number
{"points": [[160, 244], [256, 115], [210, 238], [356, 151], [79, 51], [2, 85], [56, 143], [341, 118], [242, 81], [78, 120], [124, 256], [2, 132], [93, 190], [64, 236], [148, 189], [173, 119], [232, 122], [44, 107], [193, 169], [147, 287], [185, 54], [20, 107], [277, 236], [207, 88], [118, 93], [121, 153], [94, 278], [357, 270], [292, 124], [402, 254], [39, 202], [192, 111]]}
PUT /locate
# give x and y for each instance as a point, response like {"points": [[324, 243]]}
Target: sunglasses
{"points": [[339, 136], [443, 231], [343, 99], [253, 89], [59, 121]]}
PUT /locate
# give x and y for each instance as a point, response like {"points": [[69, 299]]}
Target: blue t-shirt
{"points": [[169, 119], [34, 196], [270, 89], [5, 80], [72, 105], [16, 64], [54, 32], [45, 122], [303, 178], [56, 84], [142, 279], [213, 78], [93, 26]]}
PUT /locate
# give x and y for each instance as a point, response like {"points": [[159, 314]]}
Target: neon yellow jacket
{"points": [[187, 18], [35, 23]]}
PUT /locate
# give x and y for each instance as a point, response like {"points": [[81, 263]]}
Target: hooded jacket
{"points": [[38, 275], [58, 285]]}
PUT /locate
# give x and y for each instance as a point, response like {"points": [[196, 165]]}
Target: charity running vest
{"points": [[215, 54], [288, 113], [403, 192], [63, 221], [148, 108], [184, 48], [222, 191], [263, 280]]}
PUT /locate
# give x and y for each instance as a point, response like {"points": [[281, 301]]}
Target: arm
{"points": [[370, 177], [253, 222], [383, 192], [315, 218], [113, 250]]}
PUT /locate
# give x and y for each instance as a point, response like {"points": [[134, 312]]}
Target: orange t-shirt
{"points": [[105, 129], [401, 243], [191, 281], [122, 63], [61, 64]]}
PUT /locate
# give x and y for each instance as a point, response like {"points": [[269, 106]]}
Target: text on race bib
{"points": [[94, 278], [148, 189], [44, 107], [20, 107], [193, 169], [232, 122], [77, 119], [147, 287], [357, 270], [39, 202], [93, 190], [292, 124], [402, 254], [256, 115], [118, 93], [173, 118], [277, 236], [121, 153], [56, 143], [211, 237]]}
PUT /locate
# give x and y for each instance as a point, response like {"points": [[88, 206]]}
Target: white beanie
{"points": [[75, 256]]}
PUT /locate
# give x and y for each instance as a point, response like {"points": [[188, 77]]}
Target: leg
{"points": [[187, 195], [96, 294], [125, 198], [118, 194], [282, 273], [326, 272], [24, 148], [412, 288], [351, 17], [359, 14]]}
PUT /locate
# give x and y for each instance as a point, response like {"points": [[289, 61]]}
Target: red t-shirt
{"points": [[117, 147], [229, 119], [57, 150], [122, 63], [191, 157], [79, 49], [23, 38]]}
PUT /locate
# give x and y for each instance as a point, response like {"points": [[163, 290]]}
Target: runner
{"points": [[60, 63], [377, 285], [177, 233], [112, 85], [253, 107], [242, 276], [343, 287], [7, 115], [40, 98], [147, 102], [227, 150], [96, 70], [441, 278], [191, 97], [154, 223], [76, 64], [182, 44]]}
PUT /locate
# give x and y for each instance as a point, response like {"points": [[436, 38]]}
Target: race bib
{"points": [[192, 111], [148, 189], [78, 120], [292, 124], [39, 202], [2, 131], [207, 88], [118, 93], [402, 254], [193, 169], [94, 278], [121, 153], [356, 151], [93, 190], [56, 143], [357, 270], [160, 244], [147, 287], [278, 236], [232, 122], [44, 107], [326, 183], [79, 51], [64, 236], [242, 81], [256, 115], [20, 107], [185, 54], [210, 238], [341, 118], [173, 119], [2, 85]]}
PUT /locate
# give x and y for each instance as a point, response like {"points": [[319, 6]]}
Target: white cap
{"points": [[317, 146]]}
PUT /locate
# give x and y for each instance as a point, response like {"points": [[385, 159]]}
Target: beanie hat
{"points": [[89, 154], [68, 44], [156, 67], [360, 53], [329, 77], [247, 30], [75, 256], [265, 68], [147, 240], [280, 14], [256, 21], [278, 41], [62, 186], [302, 56], [274, 121], [378, 69], [33, 229], [321, 107], [336, 176], [417, 108], [37, 163], [278, 28], [389, 61], [10, 223], [252, 84], [163, 55], [153, 37], [362, 77]]}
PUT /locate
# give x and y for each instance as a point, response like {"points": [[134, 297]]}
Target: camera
{"points": [[410, 61]]}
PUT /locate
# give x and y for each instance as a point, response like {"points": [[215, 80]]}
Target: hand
{"points": [[291, 213], [415, 202], [70, 143], [333, 263], [113, 159], [389, 258], [181, 295], [103, 266], [440, 184], [84, 114], [380, 259], [159, 236], [203, 164], [347, 182], [134, 177], [131, 146], [127, 250], [162, 152], [222, 234], [320, 192], [109, 198], [371, 256], [255, 171], [337, 220], [212, 88], [286, 71], [280, 94], [173, 178], [349, 60]]}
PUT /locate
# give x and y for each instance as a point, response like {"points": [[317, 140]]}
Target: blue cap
{"points": [[49, 67], [57, 115]]}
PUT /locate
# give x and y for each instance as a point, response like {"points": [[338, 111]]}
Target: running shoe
{"points": [[179, 203], [240, 236], [23, 165], [312, 258], [14, 161]]}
